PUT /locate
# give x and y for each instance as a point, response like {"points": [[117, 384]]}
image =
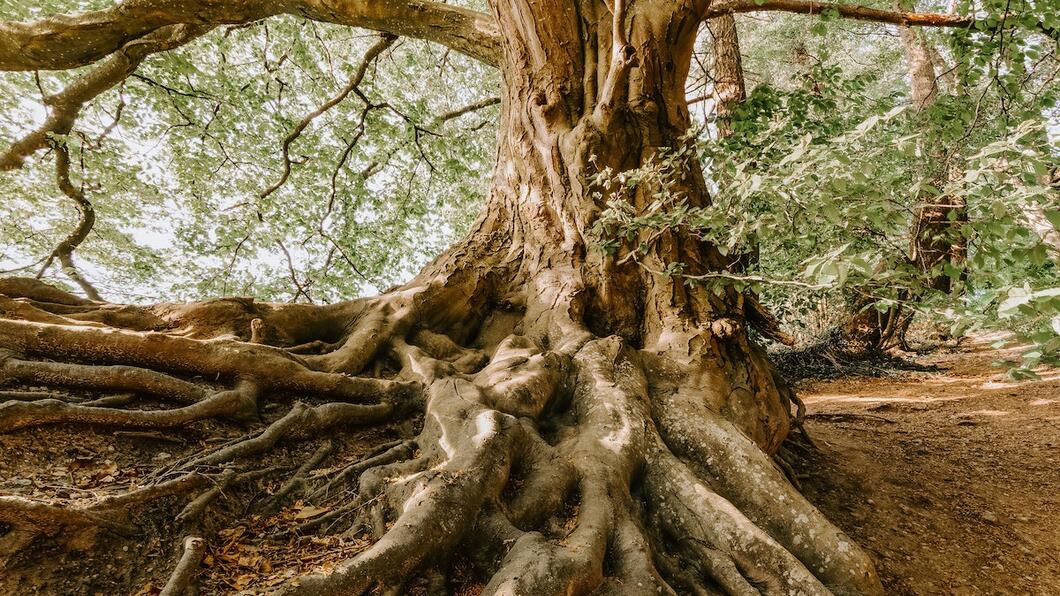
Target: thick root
{"points": [[743, 474], [274, 370], [38, 291], [100, 378], [551, 461], [721, 540], [473, 445], [239, 403]]}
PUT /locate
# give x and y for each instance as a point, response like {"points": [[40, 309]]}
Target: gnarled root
{"points": [[549, 461], [746, 476], [605, 505]]}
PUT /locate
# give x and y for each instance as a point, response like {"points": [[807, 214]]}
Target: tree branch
{"points": [[69, 41], [473, 107], [65, 105], [87, 218], [850, 11], [373, 52]]}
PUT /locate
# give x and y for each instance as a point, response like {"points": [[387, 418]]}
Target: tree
{"points": [[727, 69], [935, 235], [552, 380]]}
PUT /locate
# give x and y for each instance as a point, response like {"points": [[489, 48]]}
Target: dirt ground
{"points": [[951, 479]]}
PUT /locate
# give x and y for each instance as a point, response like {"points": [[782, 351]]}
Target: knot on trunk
{"points": [[725, 328]]}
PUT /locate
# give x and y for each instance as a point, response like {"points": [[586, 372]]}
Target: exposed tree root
{"points": [[296, 484], [239, 403], [301, 421], [396, 451], [194, 548], [50, 519], [100, 378], [30, 396], [148, 436], [273, 370], [553, 461], [36, 290], [195, 508]]}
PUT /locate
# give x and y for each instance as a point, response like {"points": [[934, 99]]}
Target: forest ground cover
{"points": [[948, 478]]}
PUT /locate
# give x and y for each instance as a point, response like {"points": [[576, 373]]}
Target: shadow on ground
{"points": [[951, 479]]}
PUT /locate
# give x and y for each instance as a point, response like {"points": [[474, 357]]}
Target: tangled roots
{"points": [[570, 470]]}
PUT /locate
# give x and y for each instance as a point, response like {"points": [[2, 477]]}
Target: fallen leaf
{"points": [[309, 512]]}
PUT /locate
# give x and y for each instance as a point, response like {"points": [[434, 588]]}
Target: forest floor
{"points": [[949, 475], [950, 478]]}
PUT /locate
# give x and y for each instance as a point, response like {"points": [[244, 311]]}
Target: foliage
{"points": [[177, 182], [821, 179]]}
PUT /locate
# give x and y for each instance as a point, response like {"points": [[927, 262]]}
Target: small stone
{"points": [[989, 516]]}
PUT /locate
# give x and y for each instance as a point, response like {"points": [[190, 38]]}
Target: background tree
{"points": [[936, 242], [825, 187]]}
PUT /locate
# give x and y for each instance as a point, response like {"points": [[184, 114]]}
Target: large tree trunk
{"points": [[552, 382]]}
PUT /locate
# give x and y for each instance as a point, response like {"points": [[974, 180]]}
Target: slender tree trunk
{"points": [[934, 237], [729, 91], [727, 66]]}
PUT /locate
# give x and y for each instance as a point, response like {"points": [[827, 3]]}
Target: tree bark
{"points": [[727, 66], [64, 252], [554, 381], [729, 91], [935, 236]]}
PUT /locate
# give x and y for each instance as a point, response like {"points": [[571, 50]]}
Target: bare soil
{"points": [[951, 479]]}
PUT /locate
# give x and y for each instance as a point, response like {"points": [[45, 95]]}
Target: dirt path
{"points": [[951, 479]]}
